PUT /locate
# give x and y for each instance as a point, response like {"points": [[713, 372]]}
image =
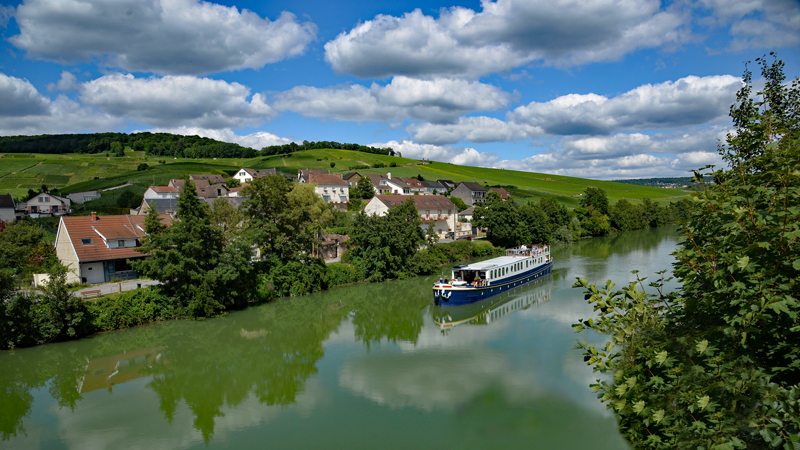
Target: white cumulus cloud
{"points": [[446, 153], [435, 100], [173, 101], [24, 111], [505, 34], [187, 37], [257, 140]]}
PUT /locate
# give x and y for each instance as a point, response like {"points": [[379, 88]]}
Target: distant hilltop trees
{"points": [[161, 144], [294, 147]]}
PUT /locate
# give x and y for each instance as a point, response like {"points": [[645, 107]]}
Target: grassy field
{"points": [[78, 172]]}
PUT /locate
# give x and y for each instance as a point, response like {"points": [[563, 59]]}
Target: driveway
{"points": [[113, 288]]}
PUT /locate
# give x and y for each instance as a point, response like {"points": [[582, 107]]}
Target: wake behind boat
{"points": [[474, 282]]}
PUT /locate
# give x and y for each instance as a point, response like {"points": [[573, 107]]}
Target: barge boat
{"points": [[478, 281]]}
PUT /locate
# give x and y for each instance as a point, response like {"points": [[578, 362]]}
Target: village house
{"points": [[203, 188], [160, 193], [8, 209], [211, 179], [245, 175], [415, 186], [83, 197], [436, 211], [470, 192], [434, 187], [332, 188], [167, 206], [304, 174], [385, 184], [465, 219], [500, 191], [449, 184], [45, 204], [352, 178], [97, 249]]}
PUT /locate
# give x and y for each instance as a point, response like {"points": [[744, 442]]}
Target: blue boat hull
{"points": [[460, 296]]}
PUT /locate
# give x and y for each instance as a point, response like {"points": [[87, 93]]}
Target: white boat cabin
{"points": [[517, 261]]}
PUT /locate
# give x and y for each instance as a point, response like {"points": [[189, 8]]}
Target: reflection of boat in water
{"points": [[478, 281], [492, 309], [102, 373]]}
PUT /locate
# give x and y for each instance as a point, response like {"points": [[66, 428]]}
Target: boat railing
{"points": [[534, 251]]}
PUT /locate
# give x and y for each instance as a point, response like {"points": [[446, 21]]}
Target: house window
{"points": [[327, 198], [34, 208], [343, 198], [120, 243], [55, 208], [47, 199], [41, 199], [86, 241]]}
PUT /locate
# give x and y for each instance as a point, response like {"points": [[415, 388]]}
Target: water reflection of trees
{"points": [[268, 352], [621, 243]]}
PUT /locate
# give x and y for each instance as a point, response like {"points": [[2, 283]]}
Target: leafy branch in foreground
{"points": [[716, 365]]}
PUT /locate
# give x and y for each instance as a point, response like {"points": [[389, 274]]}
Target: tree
{"points": [[596, 198], [364, 189], [142, 167], [459, 203], [190, 259], [129, 199], [333, 164], [500, 220], [716, 364], [535, 226], [228, 218], [386, 244], [117, 149], [625, 216], [285, 218], [232, 182], [557, 213]]}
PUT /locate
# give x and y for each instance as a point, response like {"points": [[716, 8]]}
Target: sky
{"points": [[605, 89]]}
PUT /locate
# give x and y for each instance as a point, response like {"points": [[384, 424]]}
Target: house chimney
{"points": [[389, 175], [94, 216]]}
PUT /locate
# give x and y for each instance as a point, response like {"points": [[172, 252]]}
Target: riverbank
{"points": [[26, 320]]}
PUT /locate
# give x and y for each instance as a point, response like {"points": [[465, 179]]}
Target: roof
{"points": [[266, 172], [434, 185], [162, 205], [349, 175], [234, 201], [447, 182], [473, 186], [503, 193], [413, 182], [110, 227], [467, 212], [208, 177], [420, 201], [164, 189], [7, 201], [491, 263], [324, 178], [304, 173]]}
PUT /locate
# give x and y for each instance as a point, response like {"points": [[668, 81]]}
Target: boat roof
{"points": [[490, 263]]}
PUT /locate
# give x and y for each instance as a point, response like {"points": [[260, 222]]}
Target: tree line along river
{"points": [[363, 366]]}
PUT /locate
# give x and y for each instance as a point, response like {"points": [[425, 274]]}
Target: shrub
{"points": [[132, 308], [339, 273]]}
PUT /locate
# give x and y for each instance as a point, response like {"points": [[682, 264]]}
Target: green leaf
{"points": [[701, 346], [661, 357], [658, 416], [702, 402], [638, 407], [743, 262]]}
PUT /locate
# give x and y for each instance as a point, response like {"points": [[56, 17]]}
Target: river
{"points": [[368, 366]]}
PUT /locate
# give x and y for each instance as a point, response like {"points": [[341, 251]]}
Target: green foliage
{"points": [[285, 218], [294, 147], [130, 309], [141, 167], [129, 199], [232, 182], [625, 216], [26, 248], [57, 315], [198, 271], [364, 189], [500, 219], [557, 213], [596, 198], [459, 203], [385, 244], [296, 277], [716, 364]]}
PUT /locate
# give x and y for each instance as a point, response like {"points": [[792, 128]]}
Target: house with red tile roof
{"points": [[160, 192], [97, 249], [502, 192], [436, 211], [332, 188]]}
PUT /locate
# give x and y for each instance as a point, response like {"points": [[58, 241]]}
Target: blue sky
{"points": [[600, 89]]}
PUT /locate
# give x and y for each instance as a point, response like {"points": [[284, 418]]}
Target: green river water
{"points": [[369, 366]]}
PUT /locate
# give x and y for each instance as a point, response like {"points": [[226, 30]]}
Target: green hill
{"points": [[75, 172]]}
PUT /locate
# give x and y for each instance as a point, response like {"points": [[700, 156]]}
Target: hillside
{"points": [[76, 172]]}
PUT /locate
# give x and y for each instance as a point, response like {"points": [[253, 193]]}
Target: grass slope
{"points": [[77, 172]]}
